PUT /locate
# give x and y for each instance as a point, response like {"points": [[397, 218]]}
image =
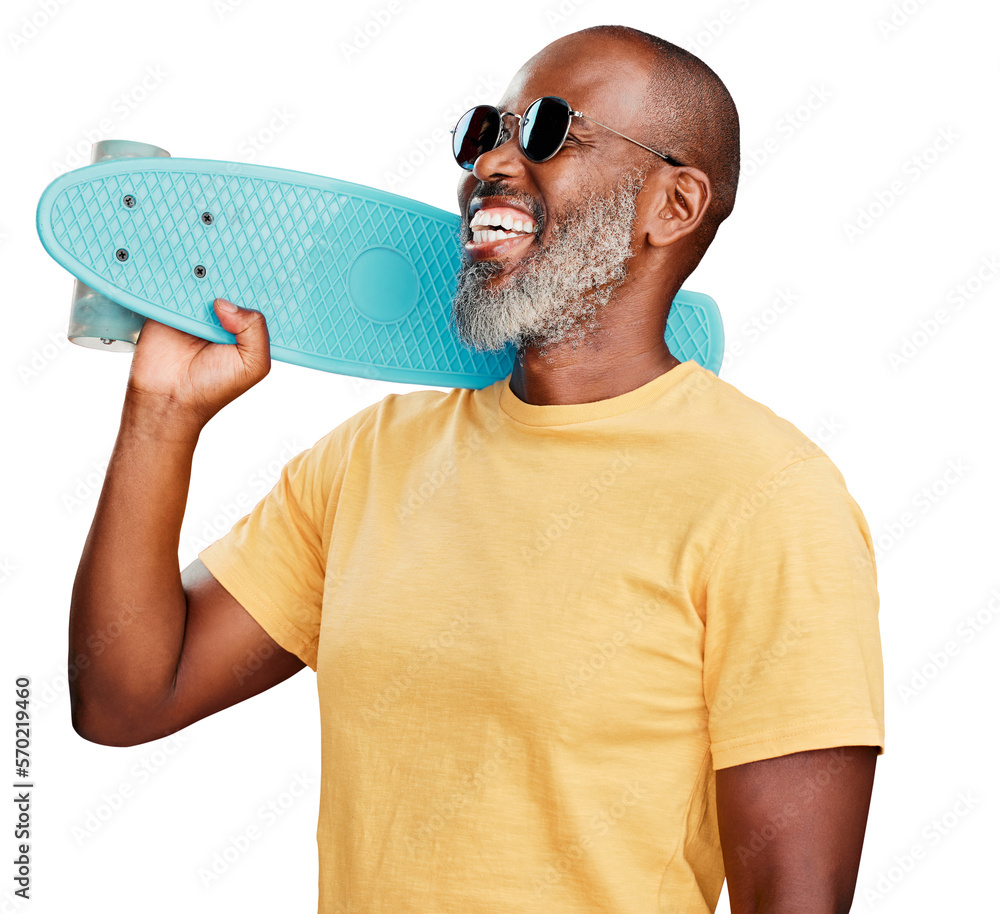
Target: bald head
{"points": [[686, 109]]}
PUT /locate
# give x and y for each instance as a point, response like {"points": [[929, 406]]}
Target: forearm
{"points": [[128, 609]]}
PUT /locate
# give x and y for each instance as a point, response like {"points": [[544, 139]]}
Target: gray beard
{"points": [[558, 292]]}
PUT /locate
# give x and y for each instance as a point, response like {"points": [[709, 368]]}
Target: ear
{"points": [[677, 202]]}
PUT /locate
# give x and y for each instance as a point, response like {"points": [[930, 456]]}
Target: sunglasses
{"points": [[543, 129]]}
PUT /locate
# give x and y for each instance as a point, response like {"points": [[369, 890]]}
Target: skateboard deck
{"points": [[351, 279]]}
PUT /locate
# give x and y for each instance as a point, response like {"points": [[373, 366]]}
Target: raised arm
{"points": [[792, 829], [153, 650]]}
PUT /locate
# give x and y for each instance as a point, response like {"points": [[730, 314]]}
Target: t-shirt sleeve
{"points": [[273, 561], [793, 659]]}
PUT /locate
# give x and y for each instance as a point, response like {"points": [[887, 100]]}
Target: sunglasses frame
{"points": [[501, 130]]}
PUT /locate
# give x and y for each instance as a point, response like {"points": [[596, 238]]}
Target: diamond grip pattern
{"points": [[284, 242]]}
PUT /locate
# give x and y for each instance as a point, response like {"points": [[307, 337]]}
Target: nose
{"points": [[504, 160]]}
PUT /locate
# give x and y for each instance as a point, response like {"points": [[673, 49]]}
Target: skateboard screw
{"points": [[200, 271], [207, 218], [106, 342], [129, 201], [121, 254]]}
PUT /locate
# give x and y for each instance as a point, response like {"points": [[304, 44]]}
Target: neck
{"points": [[594, 370], [626, 350]]}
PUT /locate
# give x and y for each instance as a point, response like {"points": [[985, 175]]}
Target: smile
{"points": [[493, 223], [496, 229]]}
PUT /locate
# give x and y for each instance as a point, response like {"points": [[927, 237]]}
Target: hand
{"points": [[195, 376]]}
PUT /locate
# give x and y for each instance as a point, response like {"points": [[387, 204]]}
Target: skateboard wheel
{"points": [[106, 150], [95, 321]]}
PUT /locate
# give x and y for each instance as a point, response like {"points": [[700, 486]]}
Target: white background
{"points": [[837, 101]]}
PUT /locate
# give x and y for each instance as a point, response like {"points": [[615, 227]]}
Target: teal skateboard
{"points": [[351, 279]]}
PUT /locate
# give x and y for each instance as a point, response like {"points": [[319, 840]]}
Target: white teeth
{"points": [[506, 227], [507, 222]]}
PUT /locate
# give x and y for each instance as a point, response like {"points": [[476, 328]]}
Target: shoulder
{"points": [[406, 420], [740, 436]]}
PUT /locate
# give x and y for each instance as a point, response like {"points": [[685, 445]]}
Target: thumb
{"points": [[252, 339]]}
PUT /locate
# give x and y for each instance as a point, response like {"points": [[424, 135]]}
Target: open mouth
{"points": [[493, 223], [495, 229]]}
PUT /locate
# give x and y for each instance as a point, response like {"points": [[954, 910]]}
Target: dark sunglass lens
{"points": [[544, 128], [477, 132]]}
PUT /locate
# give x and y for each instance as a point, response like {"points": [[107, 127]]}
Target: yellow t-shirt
{"points": [[537, 630]]}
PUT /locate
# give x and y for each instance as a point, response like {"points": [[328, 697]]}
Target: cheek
{"points": [[466, 185]]}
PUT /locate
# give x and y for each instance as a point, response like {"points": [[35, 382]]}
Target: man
{"points": [[628, 633]]}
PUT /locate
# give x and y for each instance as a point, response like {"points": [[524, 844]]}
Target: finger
{"points": [[250, 329]]}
